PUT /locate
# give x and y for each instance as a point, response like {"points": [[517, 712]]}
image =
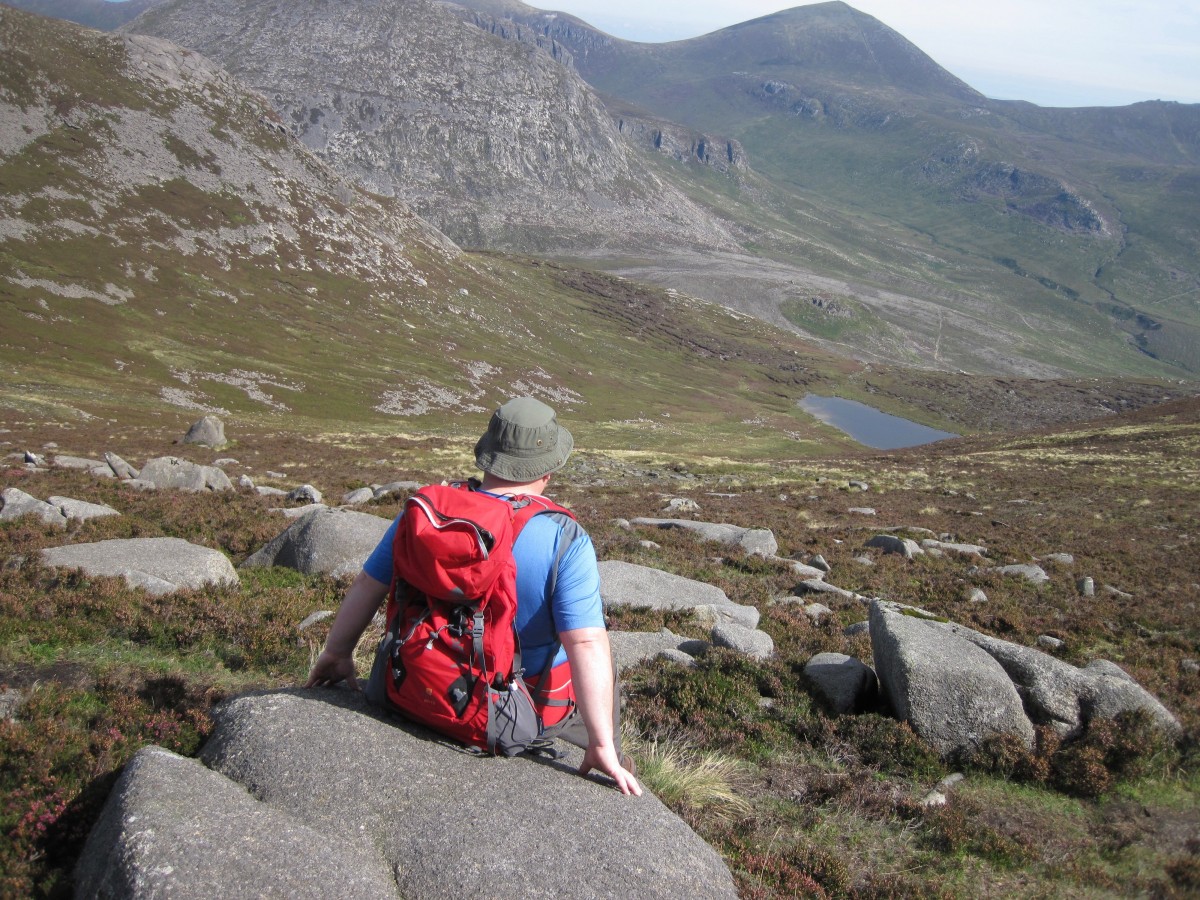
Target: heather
{"points": [[800, 802]]}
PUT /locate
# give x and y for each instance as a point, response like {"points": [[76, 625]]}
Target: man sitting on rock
{"points": [[522, 447]]}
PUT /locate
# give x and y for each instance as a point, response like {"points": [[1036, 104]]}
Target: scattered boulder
{"points": [[889, 543], [395, 488], [952, 693], [947, 546], [750, 641], [681, 504], [632, 647], [17, 503], [758, 541], [299, 512], [35, 460], [846, 684], [627, 584], [711, 614], [1086, 586], [817, 612], [358, 497], [1048, 642], [158, 565], [77, 462], [1034, 574], [817, 561], [208, 431], [1063, 559], [856, 629], [306, 493], [333, 541], [277, 746], [264, 490], [179, 474], [816, 586], [861, 510], [803, 571], [1062, 696], [81, 509], [976, 595], [245, 482]]}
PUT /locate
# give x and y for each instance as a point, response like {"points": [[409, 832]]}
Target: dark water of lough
{"points": [[869, 426]]}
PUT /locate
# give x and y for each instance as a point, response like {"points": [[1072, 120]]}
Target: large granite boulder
{"points": [[389, 800], [208, 431], [331, 541], [952, 693], [174, 828], [81, 510], [759, 541], [179, 474], [159, 565], [845, 683], [627, 584]]}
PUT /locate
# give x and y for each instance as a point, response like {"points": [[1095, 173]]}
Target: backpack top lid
{"points": [[453, 543]]}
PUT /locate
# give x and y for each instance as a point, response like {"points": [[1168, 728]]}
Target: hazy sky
{"points": [[1050, 52]]}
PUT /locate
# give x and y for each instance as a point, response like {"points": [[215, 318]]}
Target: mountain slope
{"points": [[492, 140], [1080, 222], [166, 247]]}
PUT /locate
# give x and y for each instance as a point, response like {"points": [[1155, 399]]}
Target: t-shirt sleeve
{"points": [[576, 602], [379, 563]]}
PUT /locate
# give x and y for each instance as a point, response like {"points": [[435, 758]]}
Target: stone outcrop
{"points": [[397, 812], [171, 472], [158, 565], [952, 693], [17, 503], [330, 541], [208, 431], [758, 541]]}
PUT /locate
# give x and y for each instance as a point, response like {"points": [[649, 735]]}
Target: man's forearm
{"points": [[591, 670], [354, 615]]}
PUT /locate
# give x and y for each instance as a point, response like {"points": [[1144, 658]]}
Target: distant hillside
{"points": [[1081, 226], [102, 14], [167, 247], [492, 140]]}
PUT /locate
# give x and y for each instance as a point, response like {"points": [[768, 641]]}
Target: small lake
{"points": [[869, 426]]}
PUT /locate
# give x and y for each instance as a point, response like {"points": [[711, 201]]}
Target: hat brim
{"points": [[521, 468]]}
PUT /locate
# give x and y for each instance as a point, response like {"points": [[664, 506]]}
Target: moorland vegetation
{"points": [[798, 800]]}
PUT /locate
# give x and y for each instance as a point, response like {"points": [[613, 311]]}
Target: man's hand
{"points": [[604, 759], [331, 669]]}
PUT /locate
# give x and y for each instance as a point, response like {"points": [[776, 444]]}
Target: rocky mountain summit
{"points": [[493, 140]]}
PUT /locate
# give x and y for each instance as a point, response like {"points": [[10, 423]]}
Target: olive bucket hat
{"points": [[523, 442]]}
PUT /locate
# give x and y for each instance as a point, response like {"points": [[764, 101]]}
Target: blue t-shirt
{"points": [[576, 599]]}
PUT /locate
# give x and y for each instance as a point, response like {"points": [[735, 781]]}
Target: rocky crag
{"points": [[493, 140]]}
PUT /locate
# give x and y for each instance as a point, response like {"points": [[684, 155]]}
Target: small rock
{"points": [[817, 586], [1116, 592], [224, 461], [649, 545], [1031, 573], [751, 641], [856, 629], [681, 504], [1046, 642], [1191, 666], [17, 503], [675, 655], [306, 493], [1063, 559], [276, 475], [864, 560], [817, 561], [817, 612], [313, 618], [81, 510], [34, 460], [245, 482], [77, 462], [934, 799], [623, 524], [862, 510], [950, 781], [889, 543], [264, 490], [1086, 586], [359, 496], [11, 702], [976, 595], [859, 485], [396, 487]]}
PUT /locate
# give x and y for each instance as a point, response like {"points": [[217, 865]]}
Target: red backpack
{"points": [[450, 657]]}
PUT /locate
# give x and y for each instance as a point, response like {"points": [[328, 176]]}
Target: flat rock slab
{"points": [[81, 509], [173, 828], [160, 565], [760, 541], [632, 647], [331, 541], [1032, 573], [321, 761], [750, 641], [16, 503], [627, 584]]}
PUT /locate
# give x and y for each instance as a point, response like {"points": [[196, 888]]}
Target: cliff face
{"points": [[492, 139]]}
